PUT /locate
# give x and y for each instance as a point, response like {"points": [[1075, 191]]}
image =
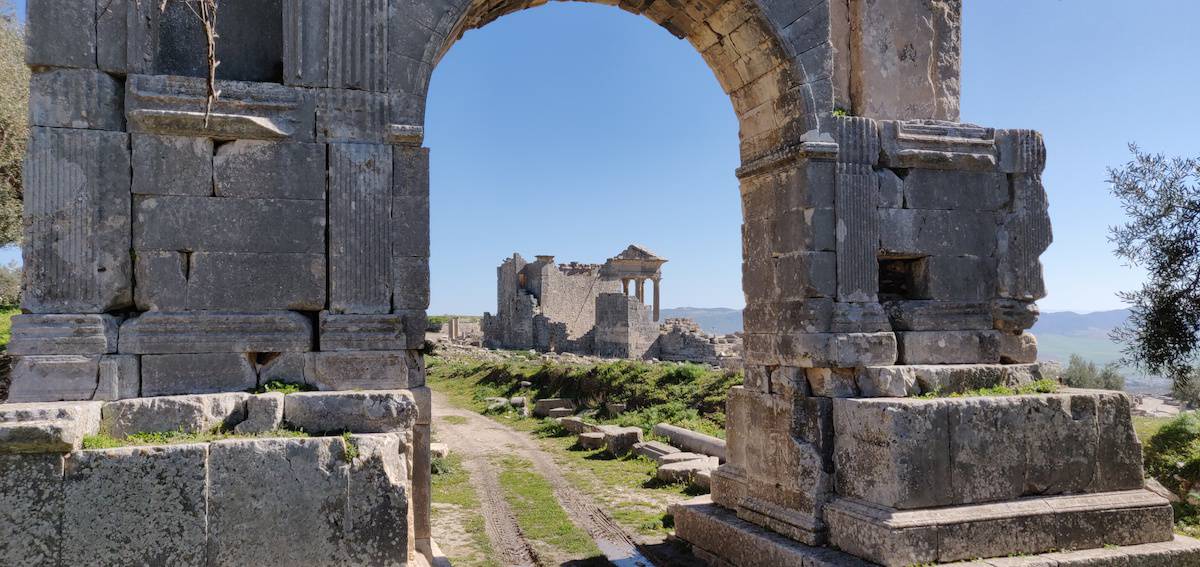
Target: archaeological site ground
{"points": [[221, 356]]}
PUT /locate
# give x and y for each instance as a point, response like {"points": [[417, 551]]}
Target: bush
{"points": [[1082, 373], [1173, 454]]}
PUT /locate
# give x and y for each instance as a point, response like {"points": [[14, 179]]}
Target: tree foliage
{"points": [[1161, 198], [1082, 373], [14, 126]]}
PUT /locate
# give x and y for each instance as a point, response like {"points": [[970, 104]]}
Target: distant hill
{"points": [[1095, 325], [715, 320]]}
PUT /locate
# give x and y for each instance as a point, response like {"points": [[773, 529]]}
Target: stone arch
{"points": [[773, 61]]}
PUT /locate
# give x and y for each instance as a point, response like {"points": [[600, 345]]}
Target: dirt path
{"points": [[478, 438]]}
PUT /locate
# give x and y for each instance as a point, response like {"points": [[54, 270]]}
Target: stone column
{"points": [[656, 298], [625, 285], [641, 290]]}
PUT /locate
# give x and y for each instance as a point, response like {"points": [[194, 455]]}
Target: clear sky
{"points": [[575, 129]]}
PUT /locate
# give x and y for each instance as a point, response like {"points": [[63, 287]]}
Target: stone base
{"points": [[1031, 525], [720, 539]]}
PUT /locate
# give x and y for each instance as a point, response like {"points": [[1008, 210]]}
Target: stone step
{"points": [[1032, 525], [721, 539]]}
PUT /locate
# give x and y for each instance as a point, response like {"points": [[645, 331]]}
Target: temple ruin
{"points": [[181, 249], [595, 309]]}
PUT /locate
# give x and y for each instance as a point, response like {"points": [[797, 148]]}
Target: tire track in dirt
{"points": [[479, 438]]}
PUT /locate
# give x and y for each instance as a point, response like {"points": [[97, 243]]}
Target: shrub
{"points": [[1173, 454]]}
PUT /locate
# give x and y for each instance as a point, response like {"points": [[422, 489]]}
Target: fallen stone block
{"points": [[58, 436], [172, 165], [76, 98], [63, 334], [679, 457], [620, 440], [703, 479], [390, 331], [313, 502], [264, 412], [654, 450], [439, 450], [31, 509], [576, 425], [591, 440], [154, 497], [355, 412], [189, 414], [214, 332], [949, 347], [541, 408], [496, 404], [205, 373], [367, 370], [269, 170], [689, 440], [900, 538], [77, 222], [72, 378], [686, 471]]}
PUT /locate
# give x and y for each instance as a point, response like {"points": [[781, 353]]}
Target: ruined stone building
{"points": [[181, 248], [590, 309]]}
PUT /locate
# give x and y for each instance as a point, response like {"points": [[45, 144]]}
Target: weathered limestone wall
{"points": [[624, 328]]}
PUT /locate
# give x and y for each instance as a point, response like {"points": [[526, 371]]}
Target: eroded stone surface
{"points": [[192, 414], [31, 509], [357, 412]]}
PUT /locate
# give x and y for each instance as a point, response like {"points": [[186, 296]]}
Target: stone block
{"points": [[360, 228], [1024, 235], [937, 232], [381, 411], [85, 414], [886, 382], [956, 278], [1021, 151], [57, 436], [558, 413], [620, 440], [63, 334], [837, 350], [306, 43], [686, 471], [120, 377], [576, 425], [176, 105], [76, 98], [1014, 316], [410, 226], [411, 166], [859, 318], [135, 505], [937, 145], [77, 222], [949, 347], [311, 502], [254, 169], [965, 190], [891, 190], [939, 315], [208, 373], [368, 370], [111, 36], [590, 440], [798, 230], [229, 281], [172, 165], [806, 274], [169, 40], [896, 537], [392, 331], [217, 224], [201, 332], [60, 33], [832, 382], [31, 508], [857, 233], [1021, 348], [358, 45], [70, 377], [541, 408], [680, 457], [883, 451], [287, 367], [345, 115], [1118, 450], [948, 379], [191, 414], [654, 450]]}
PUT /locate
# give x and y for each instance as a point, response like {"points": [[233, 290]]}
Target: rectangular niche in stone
{"points": [[360, 228], [77, 226]]}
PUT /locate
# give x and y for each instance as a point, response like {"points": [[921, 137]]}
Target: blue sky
{"points": [[575, 129]]}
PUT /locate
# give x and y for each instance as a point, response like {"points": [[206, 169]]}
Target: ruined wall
{"points": [[624, 328], [568, 295], [682, 340]]}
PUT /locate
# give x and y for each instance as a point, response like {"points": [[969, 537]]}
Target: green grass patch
{"points": [[454, 419], [687, 395], [1172, 456], [538, 513], [1147, 427], [282, 387], [452, 487], [6, 315], [179, 438], [1039, 387]]}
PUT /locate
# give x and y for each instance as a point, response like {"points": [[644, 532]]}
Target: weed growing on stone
{"points": [[103, 441], [1045, 386], [281, 387], [349, 449]]}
